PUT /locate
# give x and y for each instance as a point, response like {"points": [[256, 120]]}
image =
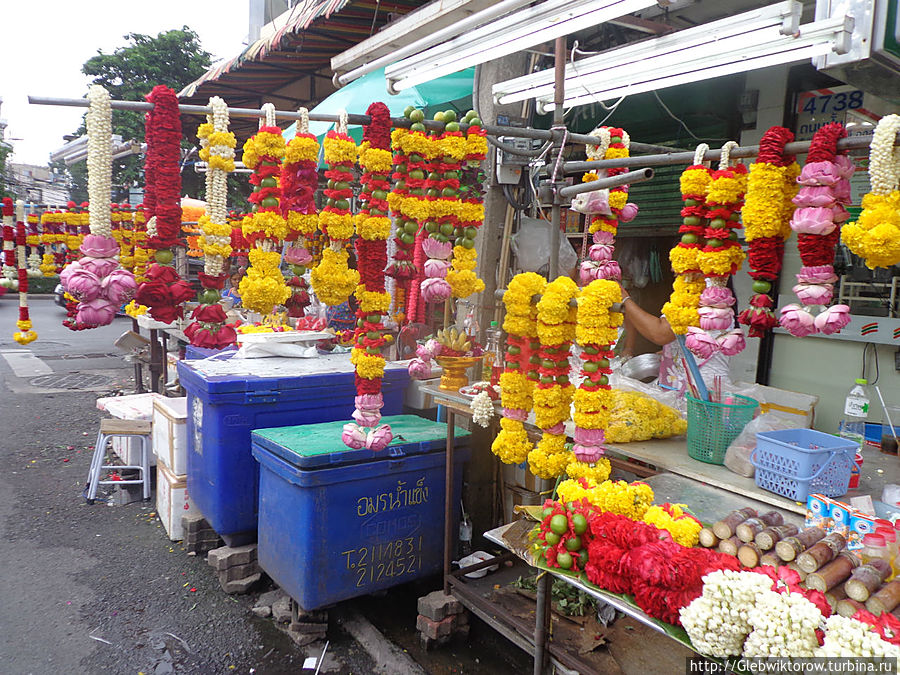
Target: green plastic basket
{"points": [[713, 426]]}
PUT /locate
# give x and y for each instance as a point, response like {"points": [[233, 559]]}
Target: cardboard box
{"points": [[818, 511], [170, 433], [172, 501], [841, 515], [516, 496], [798, 408], [861, 524]]}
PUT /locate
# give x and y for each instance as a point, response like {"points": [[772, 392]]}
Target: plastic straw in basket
{"points": [[703, 392]]}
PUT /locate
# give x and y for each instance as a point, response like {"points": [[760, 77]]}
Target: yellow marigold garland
{"points": [[632, 500], [470, 214], [332, 279], [553, 394], [512, 444], [875, 235]]}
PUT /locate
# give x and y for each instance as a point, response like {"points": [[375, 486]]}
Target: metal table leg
{"points": [[156, 357], [541, 621], [448, 499], [138, 366]]}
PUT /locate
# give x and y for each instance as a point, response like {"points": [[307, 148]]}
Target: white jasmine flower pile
{"points": [[784, 624], [718, 621], [739, 614], [849, 637]]}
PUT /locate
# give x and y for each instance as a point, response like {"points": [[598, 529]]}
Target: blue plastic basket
{"points": [[795, 463]]}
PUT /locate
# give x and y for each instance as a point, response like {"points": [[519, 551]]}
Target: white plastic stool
{"points": [[115, 428]]}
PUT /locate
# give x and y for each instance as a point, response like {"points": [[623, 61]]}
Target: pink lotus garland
{"points": [[420, 367], [97, 282], [435, 287], [820, 211]]}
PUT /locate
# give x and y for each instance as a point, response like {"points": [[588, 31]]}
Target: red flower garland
{"points": [[765, 252], [164, 292]]}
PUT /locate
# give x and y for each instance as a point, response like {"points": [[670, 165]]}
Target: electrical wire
{"points": [[865, 353], [681, 122]]}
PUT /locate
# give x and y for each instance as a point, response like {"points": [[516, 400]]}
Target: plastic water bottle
{"points": [[493, 355], [856, 412]]}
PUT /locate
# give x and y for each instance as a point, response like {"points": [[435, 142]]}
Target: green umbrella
{"points": [[450, 91]]}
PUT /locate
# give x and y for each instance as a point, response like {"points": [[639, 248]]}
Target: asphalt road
{"points": [[101, 589]]}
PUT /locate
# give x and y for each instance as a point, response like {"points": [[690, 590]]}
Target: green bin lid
{"points": [[311, 446]]}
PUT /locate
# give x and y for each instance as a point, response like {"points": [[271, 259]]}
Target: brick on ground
{"points": [[231, 556], [242, 585], [436, 605], [238, 572]]}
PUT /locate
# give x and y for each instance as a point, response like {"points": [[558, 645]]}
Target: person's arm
{"points": [[654, 328]]}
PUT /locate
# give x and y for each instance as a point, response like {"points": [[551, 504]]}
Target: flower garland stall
{"points": [[517, 381], [470, 214], [32, 241], [299, 180], [402, 269], [767, 211], [556, 319], [96, 281], [681, 310], [163, 292], [608, 206], [720, 257], [596, 334], [333, 280], [875, 235], [263, 287], [25, 335], [217, 149], [373, 228], [825, 182]]}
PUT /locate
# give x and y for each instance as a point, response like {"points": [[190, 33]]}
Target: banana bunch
{"points": [[453, 340]]}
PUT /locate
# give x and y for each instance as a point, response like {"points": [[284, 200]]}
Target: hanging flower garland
{"points": [[556, 320], [141, 252], [25, 334], [373, 228], [332, 279], [10, 273], [596, 334], [608, 206], [825, 182], [263, 287], [299, 180], [401, 269], [96, 281], [517, 381], [470, 216], [163, 292], [720, 257], [766, 215], [209, 328], [875, 235]]}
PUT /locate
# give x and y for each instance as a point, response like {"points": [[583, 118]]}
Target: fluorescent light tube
{"points": [[515, 32], [783, 17], [815, 39], [446, 33]]}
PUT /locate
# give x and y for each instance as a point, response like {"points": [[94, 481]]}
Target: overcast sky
{"points": [[45, 42]]}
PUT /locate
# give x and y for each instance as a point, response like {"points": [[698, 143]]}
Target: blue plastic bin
{"points": [[795, 463], [223, 478], [336, 523], [192, 353]]}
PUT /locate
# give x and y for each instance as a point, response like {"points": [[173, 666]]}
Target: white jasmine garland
{"points": [[99, 159], [718, 621], [849, 637], [217, 186], [884, 157], [784, 624], [482, 409]]}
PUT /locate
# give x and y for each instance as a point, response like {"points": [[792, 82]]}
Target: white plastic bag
{"points": [[667, 397], [737, 457], [531, 245]]}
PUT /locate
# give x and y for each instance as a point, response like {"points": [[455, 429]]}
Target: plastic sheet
{"points": [[737, 457], [531, 245]]}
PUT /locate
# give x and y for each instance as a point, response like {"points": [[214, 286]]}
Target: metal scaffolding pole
{"points": [[491, 129]]}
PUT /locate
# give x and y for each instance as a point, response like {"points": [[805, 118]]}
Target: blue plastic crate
{"points": [[795, 463], [330, 534], [223, 478]]}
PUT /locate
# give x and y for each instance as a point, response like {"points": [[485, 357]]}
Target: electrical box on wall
{"points": [[510, 165]]}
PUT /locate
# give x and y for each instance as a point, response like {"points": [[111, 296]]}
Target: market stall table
{"points": [[708, 503], [670, 454]]}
